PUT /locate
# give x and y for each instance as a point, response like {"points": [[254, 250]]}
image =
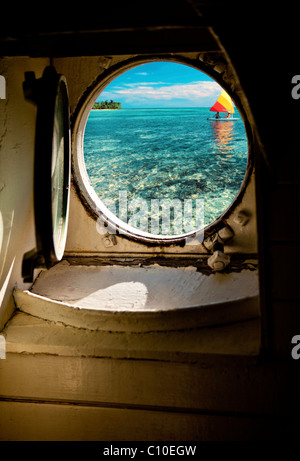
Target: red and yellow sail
{"points": [[223, 104]]}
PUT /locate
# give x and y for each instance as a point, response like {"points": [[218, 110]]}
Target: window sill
{"points": [[140, 299], [137, 313]]}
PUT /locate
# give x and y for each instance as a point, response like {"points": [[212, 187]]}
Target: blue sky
{"points": [[162, 84]]}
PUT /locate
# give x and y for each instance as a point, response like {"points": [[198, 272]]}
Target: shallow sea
{"points": [[148, 155]]}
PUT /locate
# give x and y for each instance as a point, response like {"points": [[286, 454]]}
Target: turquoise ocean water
{"points": [[156, 154]]}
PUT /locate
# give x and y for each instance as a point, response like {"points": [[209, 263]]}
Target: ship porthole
{"points": [[114, 165]]}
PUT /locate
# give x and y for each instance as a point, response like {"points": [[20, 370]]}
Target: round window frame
{"points": [[86, 191]]}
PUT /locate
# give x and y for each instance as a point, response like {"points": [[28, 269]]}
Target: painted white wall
{"points": [[17, 130]]}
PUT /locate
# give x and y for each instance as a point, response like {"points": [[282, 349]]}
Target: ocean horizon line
{"points": [[156, 108]]}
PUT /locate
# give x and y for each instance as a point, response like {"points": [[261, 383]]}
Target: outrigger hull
{"points": [[222, 119]]}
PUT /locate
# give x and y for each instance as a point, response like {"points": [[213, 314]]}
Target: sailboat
{"points": [[223, 104]]}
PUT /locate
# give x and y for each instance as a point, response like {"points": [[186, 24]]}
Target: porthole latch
{"points": [[215, 243]]}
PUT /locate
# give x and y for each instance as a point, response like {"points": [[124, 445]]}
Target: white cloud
{"points": [[142, 83], [145, 94], [190, 91]]}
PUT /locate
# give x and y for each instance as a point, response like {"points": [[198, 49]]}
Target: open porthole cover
{"points": [[51, 166]]}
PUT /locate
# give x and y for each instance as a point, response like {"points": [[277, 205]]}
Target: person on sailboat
{"points": [[223, 104]]}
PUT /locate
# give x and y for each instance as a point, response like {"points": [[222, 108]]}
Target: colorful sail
{"points": [[223, 103]]}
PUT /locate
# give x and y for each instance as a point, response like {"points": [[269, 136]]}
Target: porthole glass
{"points": [[155, 154]]}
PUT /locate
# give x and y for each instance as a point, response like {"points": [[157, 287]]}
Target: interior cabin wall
{"points": [[17, 131], [17, 162]]}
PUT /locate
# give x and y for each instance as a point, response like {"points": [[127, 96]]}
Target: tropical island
{"points": [[107, 105]]}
